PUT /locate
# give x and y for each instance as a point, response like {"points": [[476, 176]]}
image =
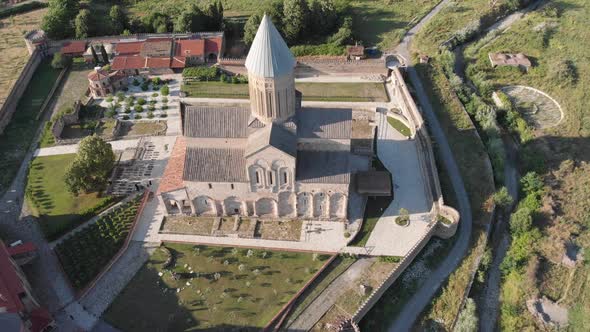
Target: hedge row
{"points": [[27, 7], [85, 253]]}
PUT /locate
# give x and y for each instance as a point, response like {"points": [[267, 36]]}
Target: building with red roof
{"points": [[102, 83], [74, 48], [19, 311]]}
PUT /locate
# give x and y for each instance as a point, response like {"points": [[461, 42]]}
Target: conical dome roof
{"points": [[269, 55]]}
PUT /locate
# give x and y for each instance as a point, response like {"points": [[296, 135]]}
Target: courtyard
{"points": [[195, 287]]}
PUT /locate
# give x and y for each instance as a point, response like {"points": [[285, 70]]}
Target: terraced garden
{"points": [[85, 253]]}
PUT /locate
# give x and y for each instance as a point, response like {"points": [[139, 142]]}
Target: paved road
{"points": [[422, 298]]}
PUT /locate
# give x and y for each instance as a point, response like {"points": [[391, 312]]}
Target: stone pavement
{"points": [[400, 157], [316, 309]]}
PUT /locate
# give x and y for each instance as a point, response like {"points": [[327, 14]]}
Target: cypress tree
{"points": [[105, 56], [94, 55]]}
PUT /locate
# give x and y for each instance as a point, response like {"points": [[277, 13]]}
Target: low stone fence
{"points": [[18, 89]]}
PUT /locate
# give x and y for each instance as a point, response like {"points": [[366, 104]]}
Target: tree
{"points": [[165, 90], [190, 20], [59, 61], [532, 183], [323, 17], [502, 198], [251, 27], [105, 56], [467, 321], [57, 22], [94, 55], [91, 167], [118, 19], [295, 19], [344, 34], [83, 24], [214, 16], [157, 22], [521, 221]]}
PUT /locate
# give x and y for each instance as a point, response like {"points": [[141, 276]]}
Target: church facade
{"points": [[273, 159]]}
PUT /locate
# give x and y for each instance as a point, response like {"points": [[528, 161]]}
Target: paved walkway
{"points": [[316, 309], [400, 156], [73, 148]]}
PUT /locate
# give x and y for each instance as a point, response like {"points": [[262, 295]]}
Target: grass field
{"points": [[554, 38], [353, 92], [210, 288], [13, 49], [57, 208], [452, 18], [20, 132], [384, 23]]}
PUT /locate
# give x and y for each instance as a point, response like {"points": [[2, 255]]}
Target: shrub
{"points": [[389, 259], [109, 99], [125, 89], [150, 115], [145, 86], [110, 113], [165, 90], [152, 108], [127, 110], [125, 117], [156, 80], [502, 198], [137, 117], [59, 61], [164, 107], [564, 72], [153, 101], [138, 108], [141, 101], [322, 49], [404, 217], [163, 115], [164, 100], [120, 96], [136, 82], [155, 94], [201, 73]]}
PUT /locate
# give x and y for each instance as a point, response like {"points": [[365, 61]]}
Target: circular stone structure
{"points": [[538, 108]]}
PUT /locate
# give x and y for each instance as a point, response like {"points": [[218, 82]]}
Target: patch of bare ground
{"points": [[187, 225], [279, 230]]}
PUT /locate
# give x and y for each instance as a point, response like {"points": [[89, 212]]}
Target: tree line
{"points": [[67, 19]]}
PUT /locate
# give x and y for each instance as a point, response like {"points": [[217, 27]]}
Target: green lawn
{"points": [[210, 288], [399, 126], [384, 23], [58, 209], [20, 132], [311, 91], [84, 254]]}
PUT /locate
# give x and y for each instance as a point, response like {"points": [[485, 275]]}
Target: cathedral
{"points": [[273, 159]]}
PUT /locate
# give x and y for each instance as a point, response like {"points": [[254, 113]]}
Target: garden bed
{"points": [[85, 253]]}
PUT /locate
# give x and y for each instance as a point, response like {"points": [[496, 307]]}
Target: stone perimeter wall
{"points": [[419, 132], [18, 89]]}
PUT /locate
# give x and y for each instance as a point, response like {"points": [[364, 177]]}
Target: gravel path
{"points": [[314, 312]]}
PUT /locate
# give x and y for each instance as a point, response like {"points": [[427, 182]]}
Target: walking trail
{"points": [[414, 307]]}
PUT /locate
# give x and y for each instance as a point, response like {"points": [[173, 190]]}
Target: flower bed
{"points": [[85, 253]]}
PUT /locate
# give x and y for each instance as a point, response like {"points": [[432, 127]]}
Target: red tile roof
{"points": [[190, 47], [74, 47], [10, 283], [128, 48], [213, 45], [128, 62], [177, 62], [97, 75], [157, 63], [21, 249], [172, 178]]}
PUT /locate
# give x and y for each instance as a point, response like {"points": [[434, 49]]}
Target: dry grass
{"points": [[13, 49]]}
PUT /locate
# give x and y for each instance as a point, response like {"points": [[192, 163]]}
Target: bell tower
{"points": [[271, 79]]}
